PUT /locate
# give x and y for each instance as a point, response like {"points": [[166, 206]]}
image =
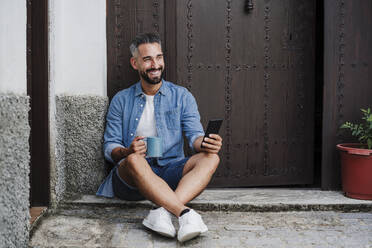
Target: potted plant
{"points": [[356, 159]]}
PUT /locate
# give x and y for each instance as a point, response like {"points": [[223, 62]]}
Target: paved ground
{"points": [[271, 217], [117, 227]]}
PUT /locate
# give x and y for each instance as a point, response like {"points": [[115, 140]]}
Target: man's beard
{"points": [[149, 80]]}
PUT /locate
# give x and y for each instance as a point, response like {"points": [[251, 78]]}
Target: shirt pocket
{"points": [[172, 119]]}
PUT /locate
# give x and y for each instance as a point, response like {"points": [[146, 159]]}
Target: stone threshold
{"points": [[246, 199], [36, 213]]}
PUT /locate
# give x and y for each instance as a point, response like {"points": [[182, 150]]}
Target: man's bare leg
{"points": [[137, 172], [197, 173]]}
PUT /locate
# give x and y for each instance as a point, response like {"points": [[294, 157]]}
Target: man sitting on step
{"points": [[155, 107]]}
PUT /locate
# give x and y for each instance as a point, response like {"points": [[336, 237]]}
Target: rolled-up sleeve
{"points": [[191, 119], [113, 136]]}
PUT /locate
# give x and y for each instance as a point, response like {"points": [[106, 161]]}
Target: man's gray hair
{"points": [[143, 39]]}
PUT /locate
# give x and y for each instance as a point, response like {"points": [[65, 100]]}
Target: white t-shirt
{"points": [[147, 126]]}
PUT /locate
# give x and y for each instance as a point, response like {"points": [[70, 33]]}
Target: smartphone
{"points": [[212, 128]]}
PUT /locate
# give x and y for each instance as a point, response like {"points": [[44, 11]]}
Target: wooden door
{"points": [[255, 69], [37, 90]]}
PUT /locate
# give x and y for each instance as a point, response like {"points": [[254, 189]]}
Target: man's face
{"points": [[149, 62]]}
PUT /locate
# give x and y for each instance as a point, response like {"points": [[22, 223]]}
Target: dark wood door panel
{"points": [[201, 53], [290, 87], [265, 85], [246, 118], [37, 90], [264, 92], [124, 20]]}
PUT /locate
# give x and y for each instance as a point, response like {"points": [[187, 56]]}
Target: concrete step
{"points": [[246, 199], [118, 227]]}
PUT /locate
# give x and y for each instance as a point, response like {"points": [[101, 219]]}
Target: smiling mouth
{"points": [[154, 72]]}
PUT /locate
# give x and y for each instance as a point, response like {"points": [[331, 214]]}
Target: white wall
{"points": [[78, 47], [13, 23]]}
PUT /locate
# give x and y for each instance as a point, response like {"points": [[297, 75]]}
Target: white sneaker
{"points": [[191, 225], [159, 220]]}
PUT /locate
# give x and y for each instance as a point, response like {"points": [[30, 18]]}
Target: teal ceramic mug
{"points": [[154, 147]]}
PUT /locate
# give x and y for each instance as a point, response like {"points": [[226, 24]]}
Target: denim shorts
{"points": [[171, 173]]}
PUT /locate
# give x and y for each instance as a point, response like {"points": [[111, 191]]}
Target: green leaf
{"points": [[369, 142], [362, 131]]}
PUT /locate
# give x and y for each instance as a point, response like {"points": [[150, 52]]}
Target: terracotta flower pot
{"points": [[356, 171]]}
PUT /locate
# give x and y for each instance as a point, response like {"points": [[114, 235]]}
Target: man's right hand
{"points": [[138, 146]]}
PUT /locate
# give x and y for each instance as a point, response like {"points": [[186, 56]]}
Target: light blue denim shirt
{"points": [[176, 112]]}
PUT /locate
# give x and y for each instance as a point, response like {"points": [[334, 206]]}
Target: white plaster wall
{"points": [[13, 21], [78, 47]]}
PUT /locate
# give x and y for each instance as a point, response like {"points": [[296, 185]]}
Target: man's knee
{"points": [[134, 159], [213, 157], [135, 164], [214, 160]]}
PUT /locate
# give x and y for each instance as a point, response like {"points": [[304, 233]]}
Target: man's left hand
{"points": [[212, 144]]}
